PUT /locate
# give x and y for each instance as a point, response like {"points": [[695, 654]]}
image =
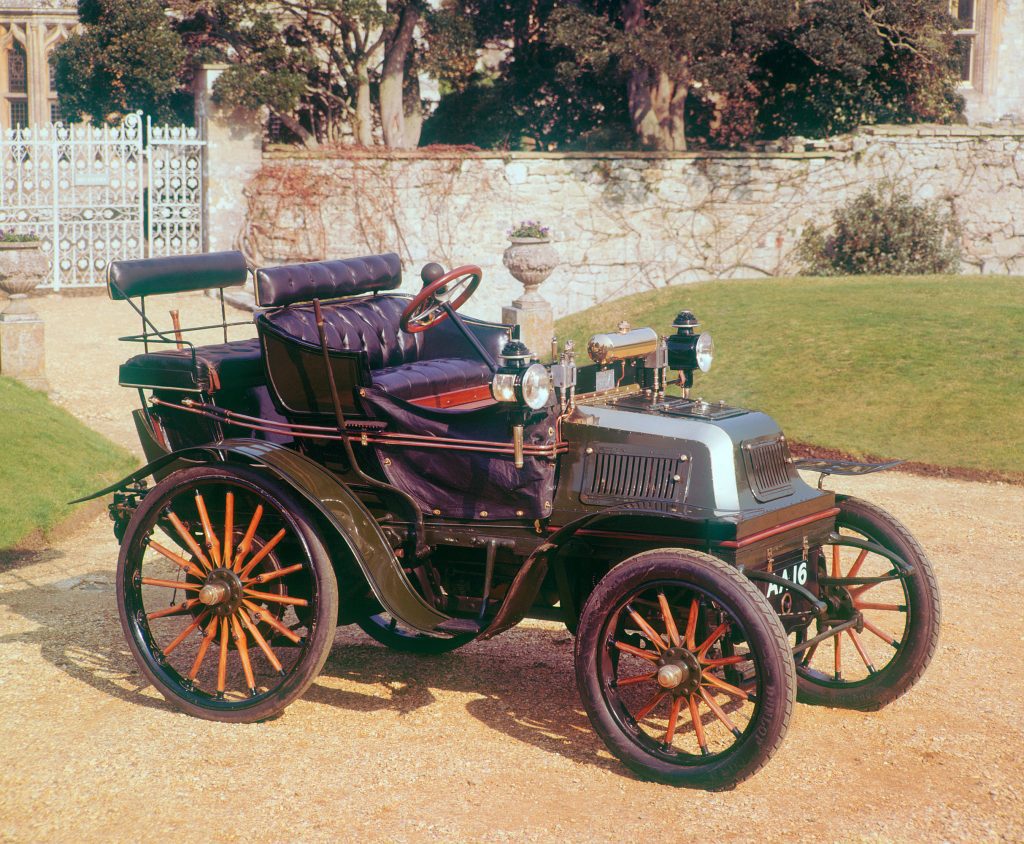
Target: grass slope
{"points": [[47, 458], [929, 369]]}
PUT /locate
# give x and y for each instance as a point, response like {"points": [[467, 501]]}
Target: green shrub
{"points": [[883, 232]]}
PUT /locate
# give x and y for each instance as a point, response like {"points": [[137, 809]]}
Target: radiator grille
{"points": [[612, 475], [767, 469]]}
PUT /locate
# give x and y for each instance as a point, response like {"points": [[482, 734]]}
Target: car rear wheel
{"points": [[878, 659], [226, 593], [684, 670]]}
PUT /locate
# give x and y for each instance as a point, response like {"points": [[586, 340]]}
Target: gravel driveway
{"points": [[490, 742]]}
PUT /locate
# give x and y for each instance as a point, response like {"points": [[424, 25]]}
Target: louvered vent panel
{"points": [[767, 469], [617, 476]]}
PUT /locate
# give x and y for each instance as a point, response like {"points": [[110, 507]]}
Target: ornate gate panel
{"points": [[83, 191], [175, 181]]}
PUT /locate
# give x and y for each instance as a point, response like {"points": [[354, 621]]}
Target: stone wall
{"points": [[626, 222]]}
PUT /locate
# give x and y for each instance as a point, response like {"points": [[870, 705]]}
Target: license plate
{"points": [[798, 572]]}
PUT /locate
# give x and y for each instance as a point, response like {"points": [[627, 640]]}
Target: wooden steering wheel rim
{"points": [[428, 292]]}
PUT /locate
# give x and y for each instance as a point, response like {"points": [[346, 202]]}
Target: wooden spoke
{"points": [[212, 543], [259, 555], [222, 665], [725, 660], [881, 634], [245, 546], [857, 591], [229, 527], [242, 644], [835, 561], [199, 619], [263, 645], [178, 560], [177, 609], [262, 614], [204, 646], [710, 640], [648, 631], [860, 649], [277, 599], [691, 625], [189, 540], [698, 725], [725, 687], [171, 584], [639, 678], [629, 649], [673, 717], [670, 622], [648, 708], [809, 653], [858, 563], [719, 712], [274, 575], [886, 607], [837, 643]]}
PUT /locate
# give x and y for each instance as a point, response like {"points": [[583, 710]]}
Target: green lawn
{"points": [[47, 458], [929, 369]]}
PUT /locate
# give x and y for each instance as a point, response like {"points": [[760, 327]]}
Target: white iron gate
{"points": [[83, 191]]}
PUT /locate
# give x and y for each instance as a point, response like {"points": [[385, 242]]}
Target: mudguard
{"points": [[341, 508]]}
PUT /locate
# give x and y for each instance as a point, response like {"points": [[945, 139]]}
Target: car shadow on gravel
{"points": [[523, 681], [76, 629]]}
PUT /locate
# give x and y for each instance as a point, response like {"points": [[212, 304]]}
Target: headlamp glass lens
{"points": [[503, 387], [705, 351], [536, 387]]}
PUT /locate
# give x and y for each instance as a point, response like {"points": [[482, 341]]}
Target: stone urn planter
{"points": [[530, 260], [22, 267]]}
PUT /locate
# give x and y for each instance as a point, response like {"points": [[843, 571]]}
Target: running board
{"points": [[459, 626]]}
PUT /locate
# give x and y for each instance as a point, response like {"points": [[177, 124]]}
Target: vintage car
{"points": [[381, 460]]}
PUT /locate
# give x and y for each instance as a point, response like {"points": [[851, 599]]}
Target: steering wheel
{"points": [[453, 289]]}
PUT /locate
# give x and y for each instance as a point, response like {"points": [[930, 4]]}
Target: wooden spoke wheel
{"points": [[683, 668], [388, 630], [896, 615], [226, 593]]}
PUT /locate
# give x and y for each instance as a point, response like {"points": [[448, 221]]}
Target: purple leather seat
{"points": [[407, 366]]}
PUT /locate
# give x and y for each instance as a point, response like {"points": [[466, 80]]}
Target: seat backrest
{"points": [[293, 283], [175, 274], [369, 324]]}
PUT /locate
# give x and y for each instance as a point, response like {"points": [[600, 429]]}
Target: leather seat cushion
{"points": [[431, 377], [234, 365]]}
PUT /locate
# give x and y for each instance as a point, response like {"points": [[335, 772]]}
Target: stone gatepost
{"points": [[234, 152], [530, 260], [22, 338]]}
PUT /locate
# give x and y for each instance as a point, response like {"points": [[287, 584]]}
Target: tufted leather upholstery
{"points": [[431, 377], [405, 365], [286, 285]]}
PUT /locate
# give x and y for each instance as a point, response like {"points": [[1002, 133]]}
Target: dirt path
{"points": [[490, 743]]}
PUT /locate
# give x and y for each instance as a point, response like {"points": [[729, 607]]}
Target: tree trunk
{"points": [[657, 108], [657, 103], [363, 122], [392, 80], [413, 111], [295, 127]]}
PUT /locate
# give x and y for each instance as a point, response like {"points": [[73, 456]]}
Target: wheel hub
{"points": [[679, 671], [222, 592]]}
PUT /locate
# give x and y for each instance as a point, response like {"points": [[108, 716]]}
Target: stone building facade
{"points": [[991, 39], [29, 30]]}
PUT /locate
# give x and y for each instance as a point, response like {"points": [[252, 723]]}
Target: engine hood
{"points": [[729, 459]]}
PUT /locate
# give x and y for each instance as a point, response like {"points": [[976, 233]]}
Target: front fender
{"points": [[339, 506]]}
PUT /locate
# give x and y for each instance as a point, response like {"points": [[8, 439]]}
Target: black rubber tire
{"points": [[765, 636], [924, 612], [408, 641], [324, 610]]}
